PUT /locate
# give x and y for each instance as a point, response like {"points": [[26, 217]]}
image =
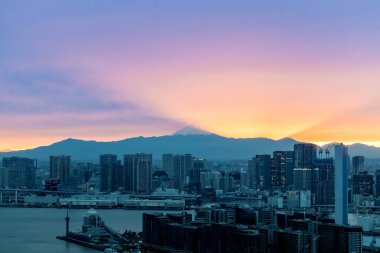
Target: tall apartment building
{"points": [[60, 167], [167, 164], [108, 166], [181, 167], [138, 173]]}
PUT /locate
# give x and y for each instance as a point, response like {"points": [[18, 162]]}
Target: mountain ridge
{"points": [[210, 146]]}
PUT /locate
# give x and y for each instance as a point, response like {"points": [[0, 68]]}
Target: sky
{"points": [[109, 70]]}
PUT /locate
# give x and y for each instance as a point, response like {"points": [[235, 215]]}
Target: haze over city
{"points": [[100, 71]]}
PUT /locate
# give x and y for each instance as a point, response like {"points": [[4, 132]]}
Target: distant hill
{"points": [[209, 146]]}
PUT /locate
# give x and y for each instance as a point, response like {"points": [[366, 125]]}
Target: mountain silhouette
{"points": [[209, 146]]}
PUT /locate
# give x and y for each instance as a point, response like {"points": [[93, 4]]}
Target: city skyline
{"points": [[97, 71]]}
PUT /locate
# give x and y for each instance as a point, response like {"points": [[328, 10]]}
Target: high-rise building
{"points": [[305, 174], [324, 194], [167, 164], [19, 172], [341, 184], [199, 165], [377, 183], [60, 167], [108, 166], [260, 172], [282, 169], [357, 164], [181, 166], [188, 163], [252, 174], [362, 183], [138, 173]]}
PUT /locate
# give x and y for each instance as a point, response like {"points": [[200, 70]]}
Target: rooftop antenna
{"points": [[320, 153]]}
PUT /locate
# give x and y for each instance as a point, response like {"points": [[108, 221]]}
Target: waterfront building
{"points": [[60, 167], [341, 184], [180, 234], [108, 166], [95, 234], [18, 172]]}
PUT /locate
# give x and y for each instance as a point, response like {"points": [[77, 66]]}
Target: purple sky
{"points": [[111, 70]]}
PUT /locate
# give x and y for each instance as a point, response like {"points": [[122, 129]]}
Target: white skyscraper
{"points": [[341, 181]]}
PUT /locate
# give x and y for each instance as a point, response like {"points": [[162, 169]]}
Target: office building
{"points": [[181, 167], [260, 172], [199, 165], [60, 167], [282, 169], [19, 172], [168, 164], [341, 184], [324, 194], [108, 166], [138, 173], [362, 184], [357, 164], [377, 176], [305, 174]]}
